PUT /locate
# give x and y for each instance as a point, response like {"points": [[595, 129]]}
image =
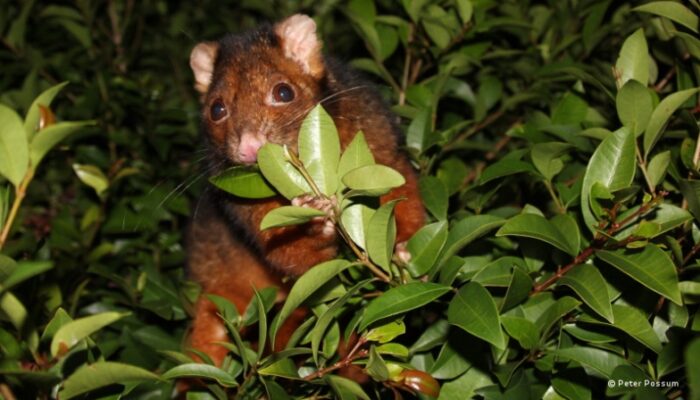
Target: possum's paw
{"points": [[322, 225], [402, 253]]}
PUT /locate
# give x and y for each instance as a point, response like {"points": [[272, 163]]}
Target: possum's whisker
{"points": [[186, 185], [330, 99]]}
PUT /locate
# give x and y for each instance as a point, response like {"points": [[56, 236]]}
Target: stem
{"points": [[20, 192], [555, 198], [580, 259], [294, 159], [598, 243], [406, 68], [300, 167], [474, 129], [358, 252], [643, 168], [353, 355]]}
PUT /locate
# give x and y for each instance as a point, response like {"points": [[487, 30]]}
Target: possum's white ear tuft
{"points": [[202, 61], [300, 43]]}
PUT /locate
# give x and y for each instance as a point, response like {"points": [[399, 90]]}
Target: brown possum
{"points": [[256, 88]]}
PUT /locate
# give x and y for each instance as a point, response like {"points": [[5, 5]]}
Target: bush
{"points": [[558, 151]]}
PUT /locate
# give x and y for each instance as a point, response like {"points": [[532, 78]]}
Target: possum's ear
{"points": [[300, 43], [202, 63]]}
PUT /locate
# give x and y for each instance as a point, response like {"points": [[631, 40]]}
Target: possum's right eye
{"points": [[218, 111]]}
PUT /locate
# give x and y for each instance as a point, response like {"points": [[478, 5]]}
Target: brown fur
{"points": [[227, 253]]}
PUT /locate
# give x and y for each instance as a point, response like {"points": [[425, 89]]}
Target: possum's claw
{"points": [[402, 253], [327, 205]]}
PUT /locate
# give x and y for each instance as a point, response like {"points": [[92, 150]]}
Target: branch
{"points": [[353, 355], [599, 242]]}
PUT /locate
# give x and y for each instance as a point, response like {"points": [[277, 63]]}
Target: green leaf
{"points": [[387, 332], [546, 158], [373, 180], [691, 193], [522, 330], [13, 309], [450, 363], [342, 385], [555, 312], [632, 322], [651, 267], [661, 115], [196, 370], [319, 149], [668, 217], [633, 62], [600, 361], [281, 173], [537, 227], [692, 366], [613, 165], [419, 130], [432, 336], [73, 332], [465, 386], [567, 225], [243, 181], [59, 319], [466, 231], [327, 317], [658, 166], [284, 368], [572, 383], [502, 168], [252, 311], [590, 286], [47, 138], [518, 289], [425, 247], [474, 310], [465, 10], [14, 149], [355, 219], [101, 374], [93, 177], [634, 106], [376, 367], [304, 287], [401, 299], [381, 235], [31, 121], [393, 349], [570, 110], [289, 215], [357, 154], [672, 10], [25, 270], [434, 195]]}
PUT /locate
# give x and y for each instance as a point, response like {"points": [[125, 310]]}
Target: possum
{"points": [[256, 88]]}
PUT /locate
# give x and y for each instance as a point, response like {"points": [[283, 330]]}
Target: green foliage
{"points": [[557, 144]]}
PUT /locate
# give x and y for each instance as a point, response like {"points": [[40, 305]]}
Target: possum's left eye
{"points": [[282, 93]]}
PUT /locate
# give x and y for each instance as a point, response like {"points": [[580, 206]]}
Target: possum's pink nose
{"points": [[248, 148]]}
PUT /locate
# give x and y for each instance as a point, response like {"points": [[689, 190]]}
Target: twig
{"points": [[353, 355], [20, 192], [296, 162], [6, 392], [493, 117], [598, 243], [666, 79]]}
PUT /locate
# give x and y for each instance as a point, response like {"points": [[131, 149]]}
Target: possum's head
{"points": [[258, 86]]}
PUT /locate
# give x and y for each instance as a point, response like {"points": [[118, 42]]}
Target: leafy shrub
{"points": [[558, 151]]}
